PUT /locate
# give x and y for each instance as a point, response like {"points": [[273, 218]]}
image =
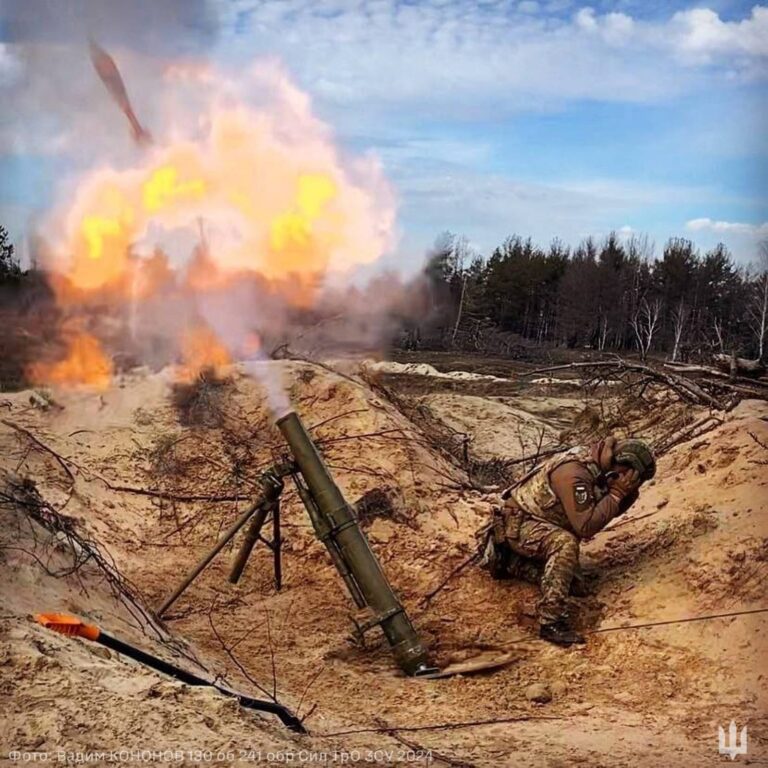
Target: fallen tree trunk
{"points": [[691, 368], [742, 364], [723, 377], [689, 432], [685, 388], [750, 390]]}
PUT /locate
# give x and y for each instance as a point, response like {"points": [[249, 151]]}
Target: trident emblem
{"points": [[737, 742]]}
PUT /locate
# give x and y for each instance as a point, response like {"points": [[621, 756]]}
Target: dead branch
{"points": [[684, 388], [310, 683], [338, 416], [362, 436], [80, 561], [690, 432], [271, 655], [289, 354], [439, 756], [441, 726], [690, 368], [763, 445], [427, 430], [628, 520], [425, 601], [24, 497], [62, 462], [65, 464], [184, 497], [233, 658]]}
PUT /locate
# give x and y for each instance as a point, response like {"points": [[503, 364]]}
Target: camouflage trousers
{"points": [[550, 557]]}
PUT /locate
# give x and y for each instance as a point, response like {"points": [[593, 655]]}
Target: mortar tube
{"points": [[345, 533], [322, 532]]}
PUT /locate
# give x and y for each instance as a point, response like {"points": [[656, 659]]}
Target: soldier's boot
{"points": [[560, 633]]}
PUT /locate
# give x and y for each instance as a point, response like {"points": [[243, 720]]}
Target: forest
{"points": [[610, 295]]}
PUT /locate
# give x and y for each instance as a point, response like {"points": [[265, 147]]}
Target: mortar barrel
{"points": [[352, 545]]}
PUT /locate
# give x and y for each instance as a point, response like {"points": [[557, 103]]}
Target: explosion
{"points": [[201, 349], [252, 195], [85, 365]]}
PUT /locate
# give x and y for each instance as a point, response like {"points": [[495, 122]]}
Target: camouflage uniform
{"points": [[544, 533], [534, 525], [560, 552]]}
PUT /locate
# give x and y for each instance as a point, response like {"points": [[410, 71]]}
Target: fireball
{"points": [[273, 195]]}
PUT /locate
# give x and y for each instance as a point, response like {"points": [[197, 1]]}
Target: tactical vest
{"points": [[535, 496]]}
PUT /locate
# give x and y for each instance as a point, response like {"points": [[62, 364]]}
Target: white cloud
{"points": [[585, 19], [741, 238], [703, 35], [462, 59], [613, 28], [727, 227], [374, 62], [488, 208]]}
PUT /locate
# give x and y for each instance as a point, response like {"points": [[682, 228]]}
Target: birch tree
{"points": [[645, 323], [460, 251], [680, 316], [757, 310]]}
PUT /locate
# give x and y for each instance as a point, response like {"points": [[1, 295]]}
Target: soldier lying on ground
{"points": [[535, 535]]}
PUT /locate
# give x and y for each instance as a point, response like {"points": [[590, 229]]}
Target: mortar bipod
{"points": [[253, 535], [272, 487]]}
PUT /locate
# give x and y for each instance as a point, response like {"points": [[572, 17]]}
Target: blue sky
{"points": [[549, 119]]}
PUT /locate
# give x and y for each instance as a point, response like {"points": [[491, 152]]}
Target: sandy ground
{"points": [[696, 544], [496, 428]]}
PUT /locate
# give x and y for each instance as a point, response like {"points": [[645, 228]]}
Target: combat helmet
{"points": [[638, 455]]}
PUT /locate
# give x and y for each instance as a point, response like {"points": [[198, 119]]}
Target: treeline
{"points": [[609, 295], [28, 316]]}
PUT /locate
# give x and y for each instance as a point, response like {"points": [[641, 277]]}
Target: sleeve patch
{"points": [[581, 494]]}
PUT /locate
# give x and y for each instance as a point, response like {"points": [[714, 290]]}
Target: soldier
{"points": [[567, 498]]}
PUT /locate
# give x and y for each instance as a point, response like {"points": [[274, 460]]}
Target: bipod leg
{"points": [[277, 544], [205, 561], [252, 535]]}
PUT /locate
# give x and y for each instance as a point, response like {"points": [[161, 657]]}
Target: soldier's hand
{"points": [[628, 501], [626, 483]]}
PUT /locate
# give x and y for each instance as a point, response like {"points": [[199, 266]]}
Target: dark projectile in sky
{"points": [[107, 70]]}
